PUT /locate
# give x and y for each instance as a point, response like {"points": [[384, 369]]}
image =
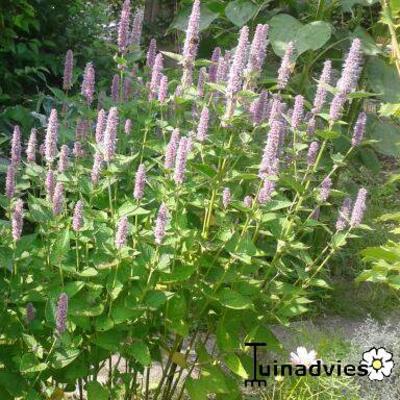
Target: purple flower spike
{"points": [[31, 148], [87, 88], [127, 89], [181, 159], [10, 181], [270, 163], [359, 129], [344, 215], [266, 191], [123, 28], [312, 153], [213, 68], [128, 127], [115, 89], [156, 76], [191, 44], [68, 68], [63, 161], [311, 126], [30, 313], [226, 197], [223, 67], [285, 68], [201, 81], [58, 199], [77, 219], [202, 129], [16, 147], [298, 111], [61, 314], [122, 233], [17, 220], [100, 126], [82, 129], [161, 223], [258, 49], [239, 59], [325, 189], [351, 68], [140, 182], [137, 26], [336, 106], [96, 169], [359, 208], [151, 53], [320, 94], [248, 201], [50, 184], [275, 110], [110, 134], [163, 89], [78, 150], [171, 150], [51, 139], [258, 111]]}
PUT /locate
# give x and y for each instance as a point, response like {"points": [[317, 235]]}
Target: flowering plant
{"points": [[185, 211]]}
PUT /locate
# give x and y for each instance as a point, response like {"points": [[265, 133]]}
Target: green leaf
{"points": [[140, 352], [234, 300], [388, 136], [29, 363], [233, 362], [284, 29], [95, 391], [155, 299], [60, 247], [348, 4], [240, 11], [63, 357], [206, 18]]}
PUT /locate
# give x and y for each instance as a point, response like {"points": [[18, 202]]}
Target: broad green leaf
{"points": [[29, 363], [388, 136], [285, 29], [206, 18], [96, 391], [233, 362], [234, 300], [140, 352], [240, 11]]}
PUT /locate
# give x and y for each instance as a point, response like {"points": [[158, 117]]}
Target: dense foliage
{"points": [[187, 203]]}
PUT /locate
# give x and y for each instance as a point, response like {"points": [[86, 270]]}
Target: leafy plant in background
{"points": [[168, 212]]}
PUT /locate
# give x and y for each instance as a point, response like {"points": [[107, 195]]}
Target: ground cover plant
{"points": [[185, 204]]}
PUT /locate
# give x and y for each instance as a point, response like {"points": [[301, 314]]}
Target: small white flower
{"points": [[379, 363], [303, 357]]}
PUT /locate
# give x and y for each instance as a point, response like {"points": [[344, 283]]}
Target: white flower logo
{"points": [[379, 363]]}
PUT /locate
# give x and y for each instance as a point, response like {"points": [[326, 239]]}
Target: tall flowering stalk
{"points": [[298, 111], [151, 53], [87, 88], [137, 26], [191, 44], [68, 70], [285, 68], [61, 314], [16, 148], [10, 181], [202, 129], [161, 223], [258, 108], [17, 220], [270, 162], [50, 184], [163, 89], [77, 219], [359, 129], [226, 197], [58, 199], [100, 126], [32, 145], [140, 182], [63, 161], [321, 93], [122, 233], [96, 168], [325, 188], [128, 127], [115, 88], [123, 27], [172, 147], [344, 215], [156, 76], [201, 81], [181, 159], [312, 153], [266, 191], [359, 208], [213, 68], [51, 137], [110, 134]]}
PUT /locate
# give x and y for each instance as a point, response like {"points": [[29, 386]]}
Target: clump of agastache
{"points": [[61, 314], [285, 68]]}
